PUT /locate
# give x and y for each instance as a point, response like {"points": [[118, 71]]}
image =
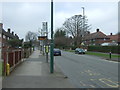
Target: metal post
{"points": [[46, 50], [83, 19], [51, 45], [110, 55], [47, 57]]}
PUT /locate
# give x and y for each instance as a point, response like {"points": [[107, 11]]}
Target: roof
{"points": [[95, 35], [9, 34]]}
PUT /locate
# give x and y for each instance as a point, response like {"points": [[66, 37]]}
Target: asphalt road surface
{"points": [[86, 71]]}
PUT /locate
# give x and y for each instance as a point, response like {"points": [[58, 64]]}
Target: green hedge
{"points": [[113, 49]]}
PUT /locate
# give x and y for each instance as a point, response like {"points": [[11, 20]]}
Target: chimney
{"points": [[12, 33], [1, 25], [97, 30], [111, 34], [9, 30]]}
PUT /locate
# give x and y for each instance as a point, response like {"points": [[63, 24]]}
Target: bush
{"points": [[106, 49], [15, 43]]}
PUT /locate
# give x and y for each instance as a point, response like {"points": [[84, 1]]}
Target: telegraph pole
{"points": [[51, 44]]}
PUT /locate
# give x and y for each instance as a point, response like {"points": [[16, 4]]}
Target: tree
{"points": [[27, 45], [60, 33], [77, 27], [31, 36], [60, 38], [31, 39]]}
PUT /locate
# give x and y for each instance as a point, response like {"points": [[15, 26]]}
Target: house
{"points": [[96, 38], [4, 36], [114, 38]]}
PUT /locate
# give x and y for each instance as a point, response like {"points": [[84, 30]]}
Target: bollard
{"points": [[110, 55], [8, 69]]}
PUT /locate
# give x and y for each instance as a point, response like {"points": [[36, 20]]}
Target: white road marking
{"points": [[109, 82]]}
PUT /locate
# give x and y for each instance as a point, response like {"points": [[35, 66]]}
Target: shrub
{"points": [[106, 49]]}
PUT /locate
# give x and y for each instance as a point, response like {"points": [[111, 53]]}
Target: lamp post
{"points": [[51, 44], [83, 18]]}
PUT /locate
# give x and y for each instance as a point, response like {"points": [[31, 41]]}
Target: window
{"points": [[4, 36]]}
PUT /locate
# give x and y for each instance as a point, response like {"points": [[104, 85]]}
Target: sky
{"points": [[22, 17]]}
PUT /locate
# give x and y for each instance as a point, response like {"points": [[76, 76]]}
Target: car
{"points": [[79, 51], [57, 52]]}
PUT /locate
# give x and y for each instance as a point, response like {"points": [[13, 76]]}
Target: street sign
{"points": [[44, 28], [42, 37]]}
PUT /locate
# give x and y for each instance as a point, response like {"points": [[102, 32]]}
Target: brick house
{"points": [[96, 38], [4, 36], [114, 38]]}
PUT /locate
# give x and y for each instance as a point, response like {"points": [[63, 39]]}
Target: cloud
{"points": [[60, 17], [28, 16], [24, 17], [101, 15]]}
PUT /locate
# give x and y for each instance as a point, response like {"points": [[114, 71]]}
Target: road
{"points": [[86, 71]]}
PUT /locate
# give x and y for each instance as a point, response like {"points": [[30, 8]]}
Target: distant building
{"points": [[96, 38]]}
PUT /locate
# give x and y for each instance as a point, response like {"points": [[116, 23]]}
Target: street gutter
{"points": [[106, 58]]}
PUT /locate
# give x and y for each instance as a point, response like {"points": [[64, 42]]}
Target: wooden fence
{"points": [[13, 58]]}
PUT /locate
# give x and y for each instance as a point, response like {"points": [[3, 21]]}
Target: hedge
{"points": [[106, 49]]}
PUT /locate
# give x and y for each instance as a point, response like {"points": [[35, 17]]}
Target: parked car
{"points": [[79, 51], [57, 52]]}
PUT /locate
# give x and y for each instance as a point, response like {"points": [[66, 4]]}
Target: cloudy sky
{"points": [[22, 17]]}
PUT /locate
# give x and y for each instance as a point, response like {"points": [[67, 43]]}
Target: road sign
{"points": [[42, 37]]}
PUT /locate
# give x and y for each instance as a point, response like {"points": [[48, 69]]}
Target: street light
{"points": [[83, 18]]}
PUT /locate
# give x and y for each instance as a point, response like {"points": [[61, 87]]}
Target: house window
{"points": [[113, 41], [4, 36]]}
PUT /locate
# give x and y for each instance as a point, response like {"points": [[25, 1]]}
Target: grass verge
{"points": [[106, 55]]}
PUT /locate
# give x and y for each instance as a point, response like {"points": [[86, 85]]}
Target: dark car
{"points": [[79, 51], [57, 52]]}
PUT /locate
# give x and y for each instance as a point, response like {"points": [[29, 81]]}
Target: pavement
{"points": [[34, 72]]}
